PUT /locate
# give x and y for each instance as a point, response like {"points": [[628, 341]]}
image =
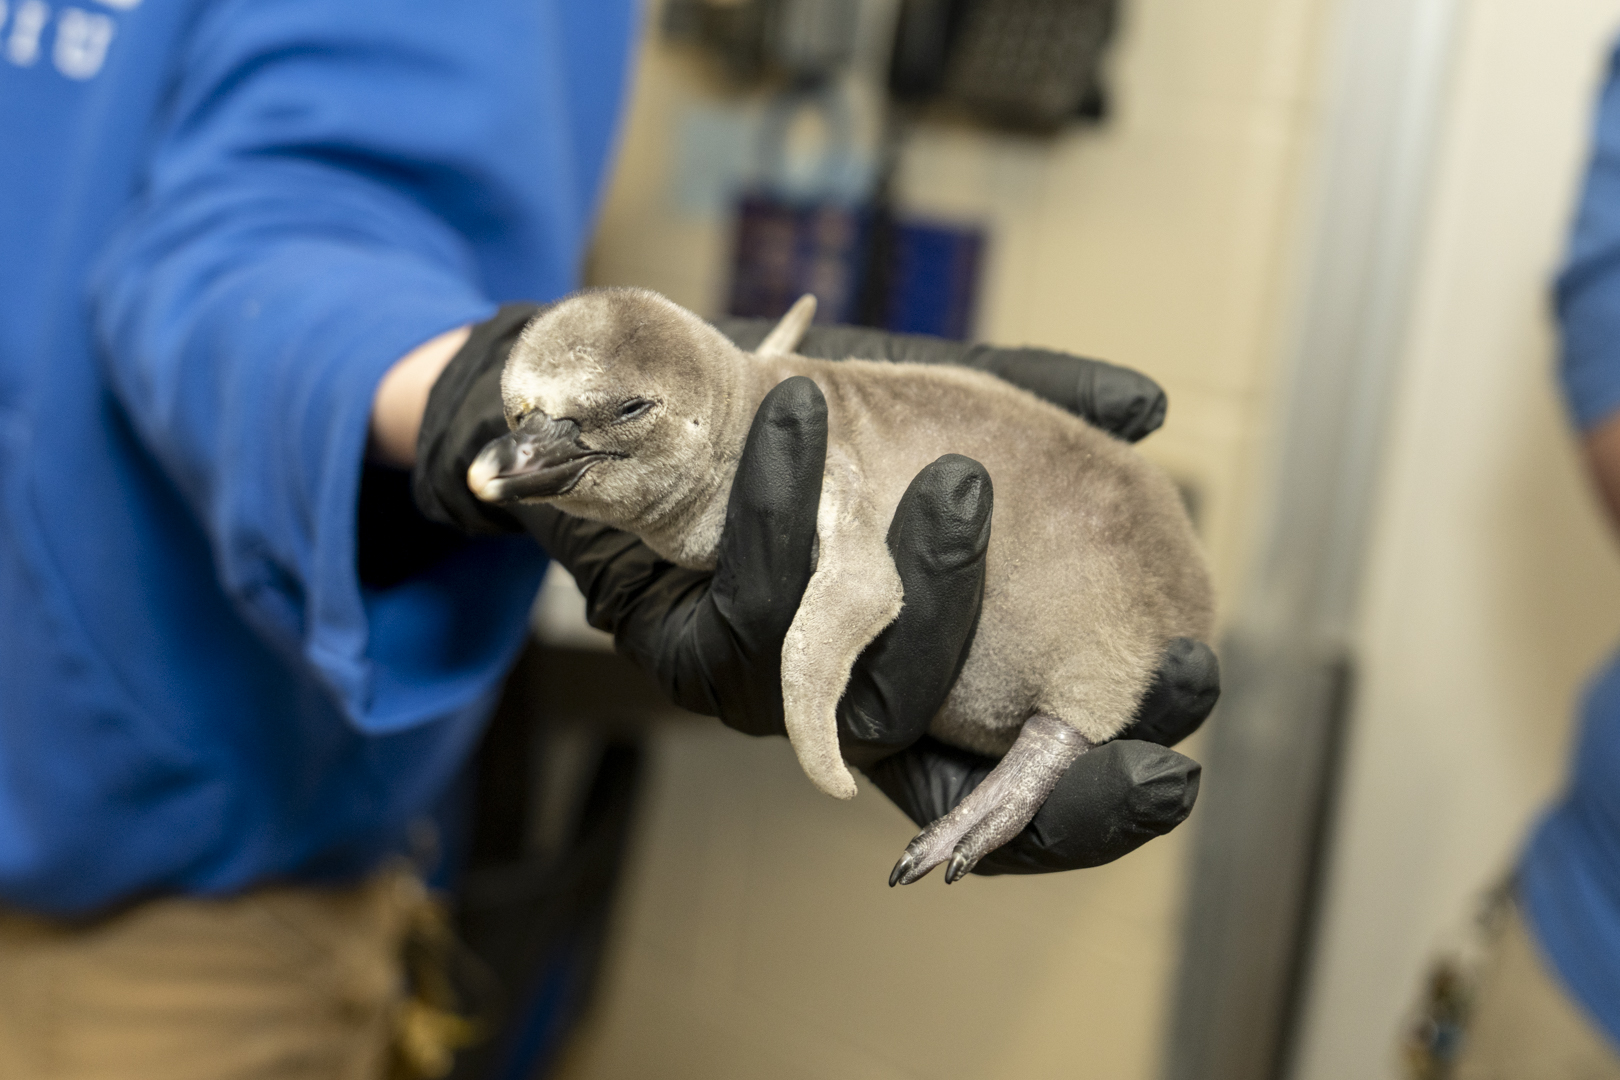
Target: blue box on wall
{"points": [[904, 276]]}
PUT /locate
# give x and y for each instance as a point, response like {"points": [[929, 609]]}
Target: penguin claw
{"points": [[931, 847], [912, 867], [999, 808]]}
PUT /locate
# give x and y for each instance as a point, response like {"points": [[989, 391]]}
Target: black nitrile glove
{"points": [[713, 641], [1122, 402], [1110, 802], [464, 413]]}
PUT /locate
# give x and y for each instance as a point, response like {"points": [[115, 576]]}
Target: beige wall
{"points": [[759, 937], [1160, 241], [1493, 587]]}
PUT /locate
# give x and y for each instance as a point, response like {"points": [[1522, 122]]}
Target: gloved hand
{"points": [[463, 415], [1109, 803], [713, 641]]}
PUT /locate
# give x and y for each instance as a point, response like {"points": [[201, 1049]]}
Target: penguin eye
{"points": [[633, 408]]}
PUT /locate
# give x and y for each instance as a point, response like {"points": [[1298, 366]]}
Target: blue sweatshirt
{"points": [[1570, 874], [220, 222]]}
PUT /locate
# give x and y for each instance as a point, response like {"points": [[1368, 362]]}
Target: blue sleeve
{"points": [[1588, 289], [335, 182]]}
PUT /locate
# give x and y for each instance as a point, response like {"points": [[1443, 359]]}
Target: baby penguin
{"points": [[628, 409]]}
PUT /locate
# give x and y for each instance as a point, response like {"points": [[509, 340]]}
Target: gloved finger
{"points": [[1184, 690], [663, 618], [1109, 803], [612, 568], [928, 778], [767, 548], [938, 538], [463, 414], [1125, 403]]}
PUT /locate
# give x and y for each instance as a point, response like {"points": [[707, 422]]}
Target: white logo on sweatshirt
{"points": [[81, 42], [82, 37], [22, 45], [80, 47]]}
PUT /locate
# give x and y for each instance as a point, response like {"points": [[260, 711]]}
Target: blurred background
{"points": [[1327, 227]]}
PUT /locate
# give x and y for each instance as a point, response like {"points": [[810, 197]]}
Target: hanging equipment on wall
{"points": [[1031, 65]]}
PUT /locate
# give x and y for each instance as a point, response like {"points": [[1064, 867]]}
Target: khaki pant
{"points": [[294, 983], [1525, 1026]]}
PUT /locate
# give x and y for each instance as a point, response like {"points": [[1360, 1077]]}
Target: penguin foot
{"points": [[999, 808]]}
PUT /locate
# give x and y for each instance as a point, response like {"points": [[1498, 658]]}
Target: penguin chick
{"points": [[628, 409]]}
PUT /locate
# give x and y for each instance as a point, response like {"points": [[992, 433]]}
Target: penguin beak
{"points": [[542, 459]]}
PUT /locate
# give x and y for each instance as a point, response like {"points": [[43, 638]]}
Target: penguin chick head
{"points": [[618, 403]]}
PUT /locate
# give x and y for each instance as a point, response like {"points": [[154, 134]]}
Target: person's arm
{"points": [[335, 185], [1602, 451], [1588, 303], [402, 396]]}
